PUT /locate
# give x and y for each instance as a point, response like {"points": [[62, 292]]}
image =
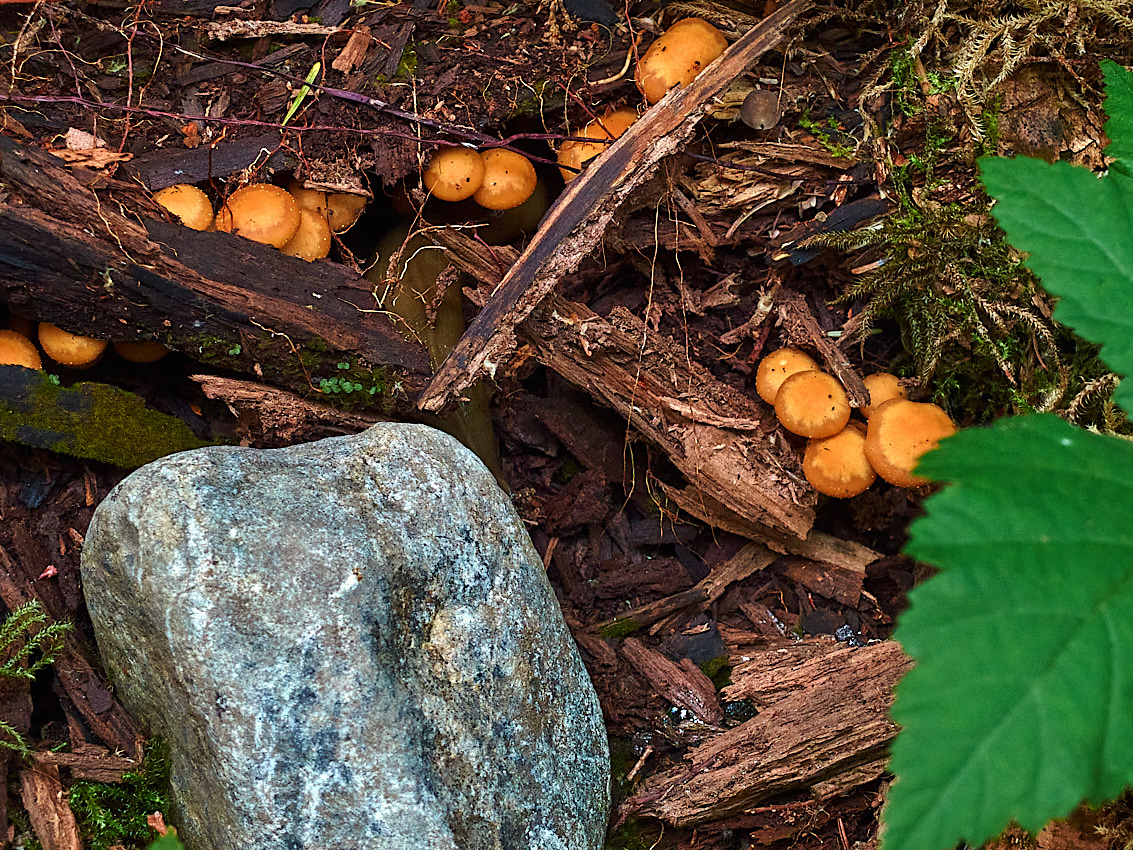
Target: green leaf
{"points": [[1075, 227], [1021, 701], [169, 841], [1119, 105]]}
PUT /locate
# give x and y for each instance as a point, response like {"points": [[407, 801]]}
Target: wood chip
{"points": [[46, 804]]}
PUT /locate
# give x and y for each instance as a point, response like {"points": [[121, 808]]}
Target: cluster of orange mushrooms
{"points": [[844, 457], [67, 349], [501, 179], [296, 220]]}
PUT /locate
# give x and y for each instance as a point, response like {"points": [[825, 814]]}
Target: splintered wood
{"points": [[824, 727], [714, 435]]}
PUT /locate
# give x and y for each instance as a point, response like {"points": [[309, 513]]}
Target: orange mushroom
{"points": [[17, 350], [812, 404], [261, 212], [68, 349], [837, 466], [312, 240], [509, 180], [776, 367], [683, 51], [343, 209], [188, 203], [899, 432], [574, 155], [143, 351], [454, 174], [881, 388]]}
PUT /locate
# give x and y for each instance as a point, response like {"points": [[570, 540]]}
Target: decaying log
{"points": [[74, 257], [45, 801], [800, 324], [713, 434], [684, 685], [577, 221], [749, 560], [89, 761], [271, 418], [825, 725]]}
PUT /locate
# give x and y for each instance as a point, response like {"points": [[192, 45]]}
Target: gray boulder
{"points": [[349, 644]]}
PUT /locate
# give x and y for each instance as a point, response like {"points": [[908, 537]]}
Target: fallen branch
{"points": [[575, 224]]}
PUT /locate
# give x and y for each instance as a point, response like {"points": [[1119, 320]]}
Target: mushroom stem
{"points": [[405, 291]]}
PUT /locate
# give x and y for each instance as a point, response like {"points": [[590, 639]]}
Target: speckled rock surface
{"points": [[348, 644]]}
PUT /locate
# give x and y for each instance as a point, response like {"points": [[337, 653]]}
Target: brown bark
{"points": [[825, 728], [46, 804], [83, 260]]}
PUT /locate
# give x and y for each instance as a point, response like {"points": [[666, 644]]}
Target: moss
{"points": [[110, 815], [620, 629], [717, 669], [88, 420]]}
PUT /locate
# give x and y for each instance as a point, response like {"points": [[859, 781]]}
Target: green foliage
{"points": [[1021, 703], [29, 644], [116, 814], [169, 841]]}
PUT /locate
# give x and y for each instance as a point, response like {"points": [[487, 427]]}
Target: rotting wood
{"points": [[835, 725], [749, 560], [68, 256], [271, 418], [45, 801], [710, 432], [576, 222], [89, 761], [683, 685]]}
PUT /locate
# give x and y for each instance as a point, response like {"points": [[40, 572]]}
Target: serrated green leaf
{"points": [[1075, 226], [1119, 106], [1021, 701]]}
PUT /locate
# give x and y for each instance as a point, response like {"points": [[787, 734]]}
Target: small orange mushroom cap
{"points": [[343, 209], [68, 349], [261, 212], [812, 404], [312, 240], [776, 367], [142, 351], [188, 203], [899, 432], [683, 51], [837, 466], [577, 154], [454, 174], [17, 350], [509, 180], [881, 388]]}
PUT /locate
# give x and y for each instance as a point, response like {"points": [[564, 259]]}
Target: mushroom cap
{"points": [[812, 404], [68, 349], [143, 351], [760, 109], [308, 199], [577, 154], [682, 52], [343, 209], [776, 367], [509, 180], [188, 203], [261, 212], [881, 388], [837, 466], [899, 432], [312, 240], [454, 173], [17, 350]]}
